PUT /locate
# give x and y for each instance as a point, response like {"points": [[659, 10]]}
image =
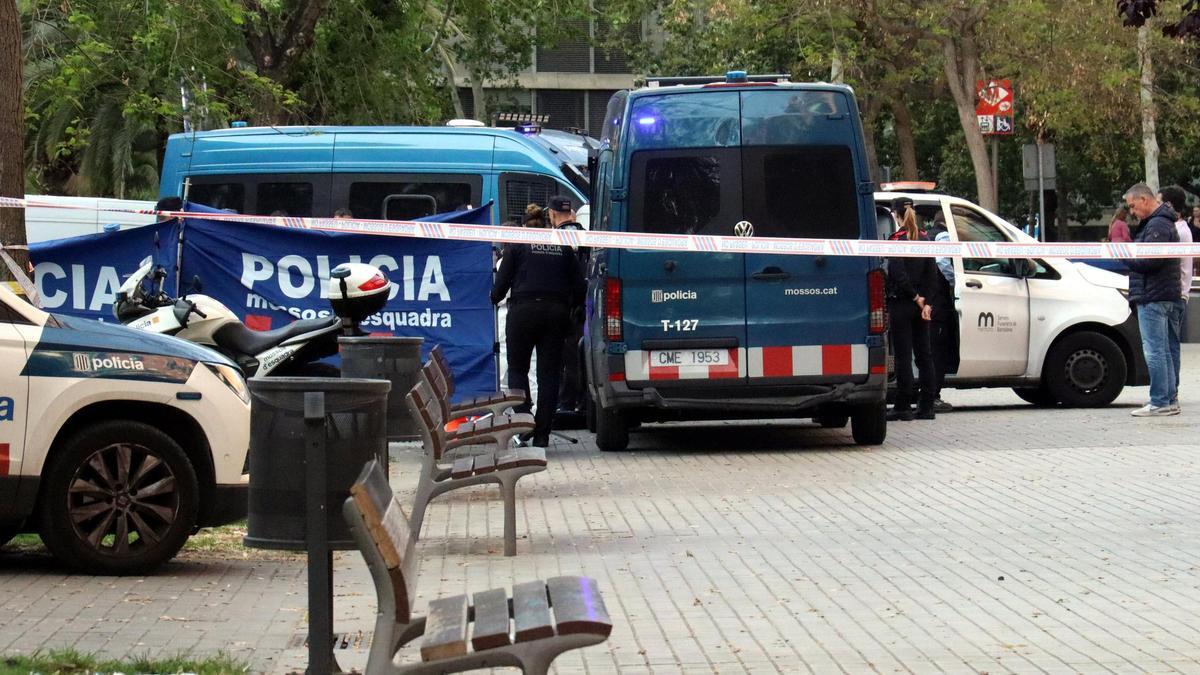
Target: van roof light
{"points": [[464, 123], [238, 124], [908, 186], [655, 81]]}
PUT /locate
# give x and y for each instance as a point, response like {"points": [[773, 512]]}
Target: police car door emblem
{"points": [[743, 229]]}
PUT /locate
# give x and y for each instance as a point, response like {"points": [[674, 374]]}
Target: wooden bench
{"points": [[495, 404], [491, 428], [439, 474], [527, 628]]}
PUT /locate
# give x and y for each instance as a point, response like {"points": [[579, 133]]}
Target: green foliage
{"points": [[103, 86], [70, 661], [104, 76], [1074, 67]]}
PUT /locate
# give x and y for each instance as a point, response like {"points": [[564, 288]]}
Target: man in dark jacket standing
{"points": [[1154, 294]]}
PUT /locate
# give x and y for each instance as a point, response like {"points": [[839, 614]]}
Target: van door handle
{"points": [[972, 283], [771, 273]]}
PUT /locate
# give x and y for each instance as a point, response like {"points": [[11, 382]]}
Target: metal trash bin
{"points": [[355, 411], [1191, 319], [395, 359]]}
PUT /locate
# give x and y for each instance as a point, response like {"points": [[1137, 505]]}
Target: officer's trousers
{"points": [[540, 325]]}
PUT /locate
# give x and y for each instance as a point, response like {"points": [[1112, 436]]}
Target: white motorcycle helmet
{"points": [[356, 291]]}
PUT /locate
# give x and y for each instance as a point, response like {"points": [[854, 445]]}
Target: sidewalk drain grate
{"points": [[358, 640]]}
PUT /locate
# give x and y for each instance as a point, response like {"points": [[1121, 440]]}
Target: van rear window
{"points": [[685, 192], [800, 191], [692, 120]]}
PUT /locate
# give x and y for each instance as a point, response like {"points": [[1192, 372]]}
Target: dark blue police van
{"points": [[675, 336]]}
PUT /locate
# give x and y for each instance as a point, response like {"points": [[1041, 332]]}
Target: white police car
{"points": [[1057, 332], [115, 444]]}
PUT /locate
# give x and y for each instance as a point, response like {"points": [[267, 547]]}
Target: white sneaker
{"points": [[1154, 411], [1175, 406]]}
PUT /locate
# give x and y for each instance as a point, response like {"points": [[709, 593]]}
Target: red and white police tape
{"points": [[677, 242]]}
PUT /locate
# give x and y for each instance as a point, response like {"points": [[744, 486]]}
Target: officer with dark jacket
{"points": [[561, 213], [545, 282], [943, 326], [910, 285], [1154, 293]]}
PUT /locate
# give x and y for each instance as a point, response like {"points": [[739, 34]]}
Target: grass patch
{"points": [[224, 542], [68, 661]]}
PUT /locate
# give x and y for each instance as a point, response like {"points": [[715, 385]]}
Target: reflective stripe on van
{"points": [[759, 362], [807, 360]]}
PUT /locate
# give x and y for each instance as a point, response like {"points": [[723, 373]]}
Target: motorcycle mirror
{"points": [[155, 240], [196, 285]]}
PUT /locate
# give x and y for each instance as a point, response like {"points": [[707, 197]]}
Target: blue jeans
{"points": [[1160, 323], [1177, 337]]}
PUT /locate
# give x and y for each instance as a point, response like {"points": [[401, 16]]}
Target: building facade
{"points": [[569, 83]]}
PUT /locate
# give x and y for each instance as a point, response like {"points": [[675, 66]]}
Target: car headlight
{"points": [[232, 377]]}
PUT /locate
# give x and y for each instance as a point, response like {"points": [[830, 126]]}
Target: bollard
{"points": [[395, 359]]}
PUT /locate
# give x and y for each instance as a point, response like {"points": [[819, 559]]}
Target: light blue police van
{"points": [[718, 335], [395, 173]]}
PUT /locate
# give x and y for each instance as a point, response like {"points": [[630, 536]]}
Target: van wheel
{"points": [[832, 421], [612, 430], [868, 423], [1085, 370], [1039, 396], [121, 498]]}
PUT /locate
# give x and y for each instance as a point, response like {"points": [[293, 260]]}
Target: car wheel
{"points": [[868, 424], [121, 498], [612, 430], [832, 421], [1039, 396], [1085, 370]]}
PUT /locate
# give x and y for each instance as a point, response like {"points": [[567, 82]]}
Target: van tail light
{"points": [[612, 310], [878, 301]]}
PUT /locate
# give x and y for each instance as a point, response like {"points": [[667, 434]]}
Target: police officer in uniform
{"points": [[562, 216], [545, 282]]}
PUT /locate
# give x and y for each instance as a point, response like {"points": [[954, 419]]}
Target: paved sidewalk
{"points": [[998, 538]]}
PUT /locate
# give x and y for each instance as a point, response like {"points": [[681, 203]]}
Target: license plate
{"points": [[663, 358]]}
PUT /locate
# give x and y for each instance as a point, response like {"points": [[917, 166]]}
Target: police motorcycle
{"points": [[356, 291]]}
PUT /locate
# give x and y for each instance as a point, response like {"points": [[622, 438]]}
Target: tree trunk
{"points": [[276, 54], [904, 137], [1149, 112], [870, 113], [451, 85], [12, 131], [479, 97], [961, 63]]}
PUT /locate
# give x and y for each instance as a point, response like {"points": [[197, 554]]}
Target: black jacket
{"points": [[539, 271], [1154, 279], [909, 277]]}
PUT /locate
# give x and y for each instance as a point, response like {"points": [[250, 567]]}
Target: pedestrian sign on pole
{"points": [[995, 107]]}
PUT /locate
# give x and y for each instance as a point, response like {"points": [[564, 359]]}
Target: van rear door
{"points": [[806, 317], [684, 314]]}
